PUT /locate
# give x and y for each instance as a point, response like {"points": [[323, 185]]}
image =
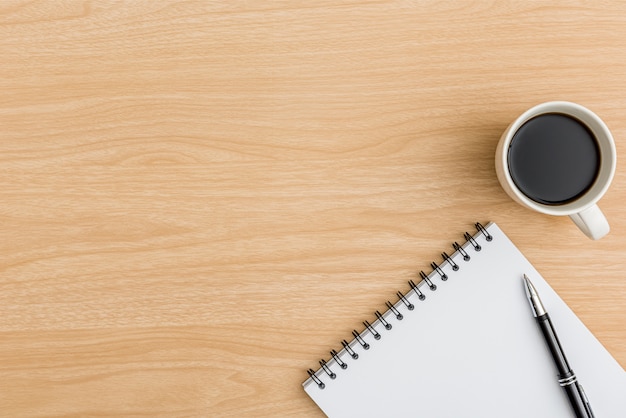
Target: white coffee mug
{"points": [[583, 209]]}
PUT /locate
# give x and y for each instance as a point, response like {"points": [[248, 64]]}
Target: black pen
{"points": [[567, 378]]}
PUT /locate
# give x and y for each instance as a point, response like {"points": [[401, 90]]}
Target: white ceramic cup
{"points": [[584, 210]]}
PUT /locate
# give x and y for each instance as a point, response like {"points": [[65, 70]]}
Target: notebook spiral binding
{"points": [[339, 360]]}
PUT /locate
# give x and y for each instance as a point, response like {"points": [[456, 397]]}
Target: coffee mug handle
{"points": [[592, 222]]}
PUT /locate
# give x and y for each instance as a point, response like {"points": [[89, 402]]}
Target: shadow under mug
{"points": [[582, 209]]}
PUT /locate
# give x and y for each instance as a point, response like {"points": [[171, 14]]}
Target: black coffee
{"points": [[553, 159]]}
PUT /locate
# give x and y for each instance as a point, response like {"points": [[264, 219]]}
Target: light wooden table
{"points": [[200, 199]]}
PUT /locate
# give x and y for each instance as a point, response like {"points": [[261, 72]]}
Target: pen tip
{"points": [[526, 284], [533, 298]]}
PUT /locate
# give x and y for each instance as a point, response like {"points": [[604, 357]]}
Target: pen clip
{"points": [[587, 405]]}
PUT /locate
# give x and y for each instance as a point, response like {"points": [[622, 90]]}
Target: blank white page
{"points": [[472, 349]]}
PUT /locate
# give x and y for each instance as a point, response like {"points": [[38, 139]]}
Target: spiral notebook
{"points": [[462, 342]]}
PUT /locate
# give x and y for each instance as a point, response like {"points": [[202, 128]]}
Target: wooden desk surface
{"points": [[200, 199]]}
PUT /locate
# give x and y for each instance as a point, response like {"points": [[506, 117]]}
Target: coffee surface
{"points": [[553, 159]]}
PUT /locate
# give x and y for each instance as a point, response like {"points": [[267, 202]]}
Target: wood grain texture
{"points": [[200, 199]]}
